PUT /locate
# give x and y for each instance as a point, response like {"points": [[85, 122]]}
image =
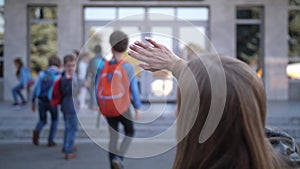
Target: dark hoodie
{"points": [[68, 90]]}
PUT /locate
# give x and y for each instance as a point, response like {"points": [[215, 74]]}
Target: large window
{"points": [[43, 36], [249, 37], [164, 24], [293, 68]]}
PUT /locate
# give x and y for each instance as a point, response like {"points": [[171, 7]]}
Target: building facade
{"points": [[255, 31]]}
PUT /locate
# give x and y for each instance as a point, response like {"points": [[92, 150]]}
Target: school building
{"points": [[263, 33]]}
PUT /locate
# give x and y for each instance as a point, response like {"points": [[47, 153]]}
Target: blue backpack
{"points": [[44, 91]]}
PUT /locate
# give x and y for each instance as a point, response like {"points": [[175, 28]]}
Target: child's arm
{"points": [[136, 101], [34, 91], [134, 90], [23, 79]]}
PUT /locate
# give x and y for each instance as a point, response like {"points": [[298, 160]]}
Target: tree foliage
{"points": [[43, 44], [43, 36]]}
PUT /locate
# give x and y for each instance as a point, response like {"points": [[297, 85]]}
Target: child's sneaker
{"points": [[74, 149], [117, 163], [15, 104], [51, 144], [70, 156], [35, 137], [23, 103]]}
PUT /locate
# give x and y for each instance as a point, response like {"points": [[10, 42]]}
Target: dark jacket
{"points": [[284, 145], [63, 91]]}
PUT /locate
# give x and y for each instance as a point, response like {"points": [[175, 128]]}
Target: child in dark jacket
{"points": [[63, 94]]}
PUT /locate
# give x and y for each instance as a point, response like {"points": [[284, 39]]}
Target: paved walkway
{"points": [[90, 156], [285, 115], [17, 152], [16, 125]]}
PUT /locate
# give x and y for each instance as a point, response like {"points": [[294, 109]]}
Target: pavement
{"points": [[153, 147], [154, 142], [89, 156], [16, 124]]}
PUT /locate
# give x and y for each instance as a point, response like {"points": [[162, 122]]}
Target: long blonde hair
{"points": [[239, 141]]}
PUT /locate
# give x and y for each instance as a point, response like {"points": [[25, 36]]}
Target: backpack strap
{"points": [[100, 67], [38, 87], [54, 76]]}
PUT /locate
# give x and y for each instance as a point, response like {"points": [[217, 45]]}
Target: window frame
{"points": [[260, 22], [292, 58]]}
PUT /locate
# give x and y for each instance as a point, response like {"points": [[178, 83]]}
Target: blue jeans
{"points": [[16, 91], [45, 106], [70, 132]]}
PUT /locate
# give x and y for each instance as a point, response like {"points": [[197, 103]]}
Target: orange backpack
{"points": [[113, 94]]}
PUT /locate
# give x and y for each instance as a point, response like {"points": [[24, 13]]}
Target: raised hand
{"points": [[155, 56]]}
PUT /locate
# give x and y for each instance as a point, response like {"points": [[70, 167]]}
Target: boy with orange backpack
{"points": [[115, 86]]}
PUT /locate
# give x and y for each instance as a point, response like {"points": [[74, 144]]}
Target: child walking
{"points": [[63, 94], [116, 84], [25, 80], [42, 90]]}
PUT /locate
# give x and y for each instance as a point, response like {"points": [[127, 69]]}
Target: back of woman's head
{"points": [[238, 141]]}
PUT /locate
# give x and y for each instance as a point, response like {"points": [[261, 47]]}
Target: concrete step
{"points": [[17, 124]]}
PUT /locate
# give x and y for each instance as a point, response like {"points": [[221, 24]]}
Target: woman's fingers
{"points": [[155, 44], [138, 56], [154, 56], [145, 66], [139, 50], [145, 46], [148, 67], [141, 44]]}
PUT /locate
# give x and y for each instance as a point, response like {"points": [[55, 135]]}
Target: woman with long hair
{"points": [[232, 136], [24, 78], [239, 140]]}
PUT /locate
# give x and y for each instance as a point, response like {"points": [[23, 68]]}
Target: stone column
{"points": [[276, 50], [222, 27], [70, 26], [15, 41]]}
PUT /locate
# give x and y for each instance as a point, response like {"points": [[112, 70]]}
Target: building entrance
{"points": [[176, 27]]}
